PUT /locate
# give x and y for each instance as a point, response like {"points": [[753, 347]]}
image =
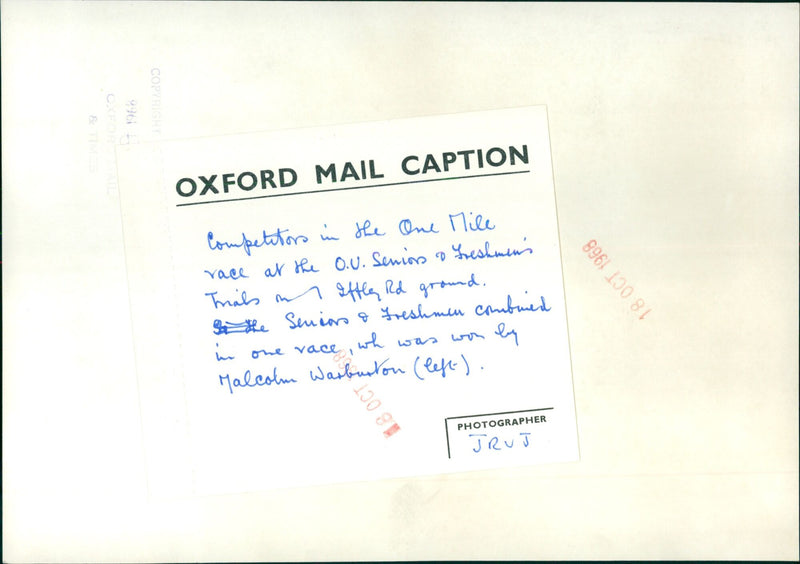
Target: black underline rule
{"points": [[352, 188]]}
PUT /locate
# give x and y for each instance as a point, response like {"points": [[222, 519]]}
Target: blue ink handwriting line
{"points": [[279, 298]]}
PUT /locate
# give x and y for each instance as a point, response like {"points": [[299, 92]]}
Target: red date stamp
{"points": [[368, 397], [600, 260]]}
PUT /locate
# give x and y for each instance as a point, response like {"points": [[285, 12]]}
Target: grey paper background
{"points": [[674, 142]]}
